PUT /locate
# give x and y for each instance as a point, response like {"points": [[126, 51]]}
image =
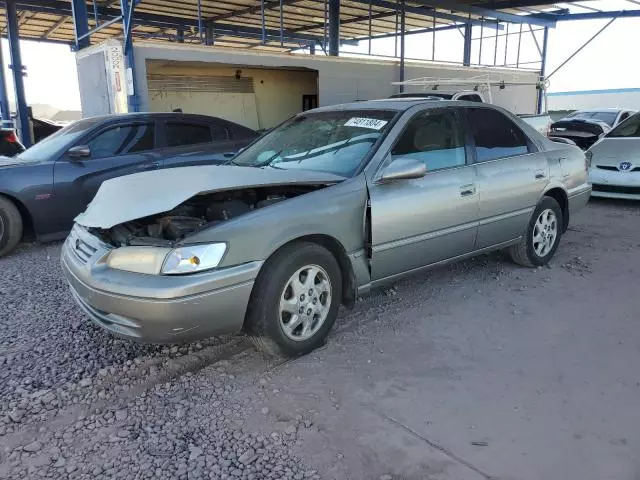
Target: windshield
{"points": [[607, 117], [628, 128], [53, 144], [334, 142]]}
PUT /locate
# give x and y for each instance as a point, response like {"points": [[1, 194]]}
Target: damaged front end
{"points": [[195, 214]]}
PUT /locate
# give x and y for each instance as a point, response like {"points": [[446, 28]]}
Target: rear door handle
{"points": [[467, 190], [540, 175]]}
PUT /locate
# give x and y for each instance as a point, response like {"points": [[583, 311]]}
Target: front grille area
{"points": [[81, 249], [611, 168], [616, 189]]}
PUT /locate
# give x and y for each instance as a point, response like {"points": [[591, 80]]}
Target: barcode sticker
{"points": [[372, 123]]}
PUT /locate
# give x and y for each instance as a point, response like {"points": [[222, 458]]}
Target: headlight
{"points": [[194, 258], [156, 260], [589, 155], [147, 260]]}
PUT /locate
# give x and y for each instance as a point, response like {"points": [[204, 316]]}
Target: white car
{"points": [[610, 116], [615, 162]]}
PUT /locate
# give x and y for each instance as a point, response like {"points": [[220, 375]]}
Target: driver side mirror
{"points": [[78, 152], [403, 169]]}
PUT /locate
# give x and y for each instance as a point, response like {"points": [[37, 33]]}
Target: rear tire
{"points": [[10, 226], [543, 234], [295, 300]]}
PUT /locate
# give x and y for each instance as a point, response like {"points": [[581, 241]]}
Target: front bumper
{"points": [[155, 308], [614, 184]]}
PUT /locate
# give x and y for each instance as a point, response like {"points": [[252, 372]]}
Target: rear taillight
{"points": [[11, 137]]}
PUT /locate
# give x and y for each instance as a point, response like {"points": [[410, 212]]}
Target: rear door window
{"points": [[122, 140], [495, 135], [182, 134]]}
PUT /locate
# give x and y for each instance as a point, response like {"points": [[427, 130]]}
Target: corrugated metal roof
{"points": [[51, 19]]}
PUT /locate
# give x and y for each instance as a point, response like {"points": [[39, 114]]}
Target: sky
{"points": [[610, 61]]}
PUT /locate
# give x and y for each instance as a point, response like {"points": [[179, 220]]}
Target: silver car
{"points": [[334, 202], [615, 162]]}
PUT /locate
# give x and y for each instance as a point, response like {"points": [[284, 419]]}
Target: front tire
{"points": [[10, 226], [542, 237], [295, 300]]}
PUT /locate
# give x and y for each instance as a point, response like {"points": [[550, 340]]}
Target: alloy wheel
{"points": [[545, 232], [305, 302]]}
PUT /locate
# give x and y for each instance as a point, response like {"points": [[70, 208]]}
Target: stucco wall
{"points": [[341, 79], [277, 94]]}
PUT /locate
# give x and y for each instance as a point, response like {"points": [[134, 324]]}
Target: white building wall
{"points": [[340, 79], [580, 100]]}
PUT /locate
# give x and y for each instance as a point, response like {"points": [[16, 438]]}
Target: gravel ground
{"points": [[477, 370]]}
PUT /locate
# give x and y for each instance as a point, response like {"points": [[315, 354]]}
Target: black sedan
{"points": [[46, 186]]}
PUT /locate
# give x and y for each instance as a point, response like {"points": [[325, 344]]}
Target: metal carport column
{"points": [[5, 111], [334, 27], [13, 34]]}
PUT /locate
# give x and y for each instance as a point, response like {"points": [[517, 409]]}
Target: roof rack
{"points": [[482, 83]]}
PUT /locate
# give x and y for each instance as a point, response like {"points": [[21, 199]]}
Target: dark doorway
{"points": [[309, 102]]}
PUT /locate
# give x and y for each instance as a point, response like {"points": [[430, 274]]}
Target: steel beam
{"points": [[542, 20], [268, 5], [18, 70], [402, 49], [543, 66], [54, 27], [466, 54], [598, 15], [164, 21], [81, 23], [415, 32], [582, 47], [424, 10], [334, 27], [5, 111]]}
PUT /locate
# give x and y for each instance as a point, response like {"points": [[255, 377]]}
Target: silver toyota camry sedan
{"points": [[615, 162], [332, 203]]}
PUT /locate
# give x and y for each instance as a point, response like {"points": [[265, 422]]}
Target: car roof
{"points": [[603, 110], [399, 104], [152, 115]]}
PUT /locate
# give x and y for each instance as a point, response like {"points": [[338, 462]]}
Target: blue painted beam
{"points": [[598, 15], [5, 111], [413, 32], [538, 19], [334, 27], [81, 23], [466, 54], [425, 10], [58, 7], [13, 33]]}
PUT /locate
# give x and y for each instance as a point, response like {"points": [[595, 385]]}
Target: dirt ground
{"points": [[478, 370]]}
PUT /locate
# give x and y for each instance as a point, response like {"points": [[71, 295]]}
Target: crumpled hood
{"points": [[143, 194]]}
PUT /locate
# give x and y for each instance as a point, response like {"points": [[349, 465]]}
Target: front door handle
{"points": [[467, 190], [149, 166], [540, 175]]}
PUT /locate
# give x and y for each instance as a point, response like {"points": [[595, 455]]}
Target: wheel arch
{"points": [[560, 196], [27, 220], [336, 248]]}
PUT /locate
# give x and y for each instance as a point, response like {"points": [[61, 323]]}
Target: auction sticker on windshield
{"points": [[372, 123]]}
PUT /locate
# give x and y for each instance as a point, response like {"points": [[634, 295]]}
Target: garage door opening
{"points": [[255, 97]]}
